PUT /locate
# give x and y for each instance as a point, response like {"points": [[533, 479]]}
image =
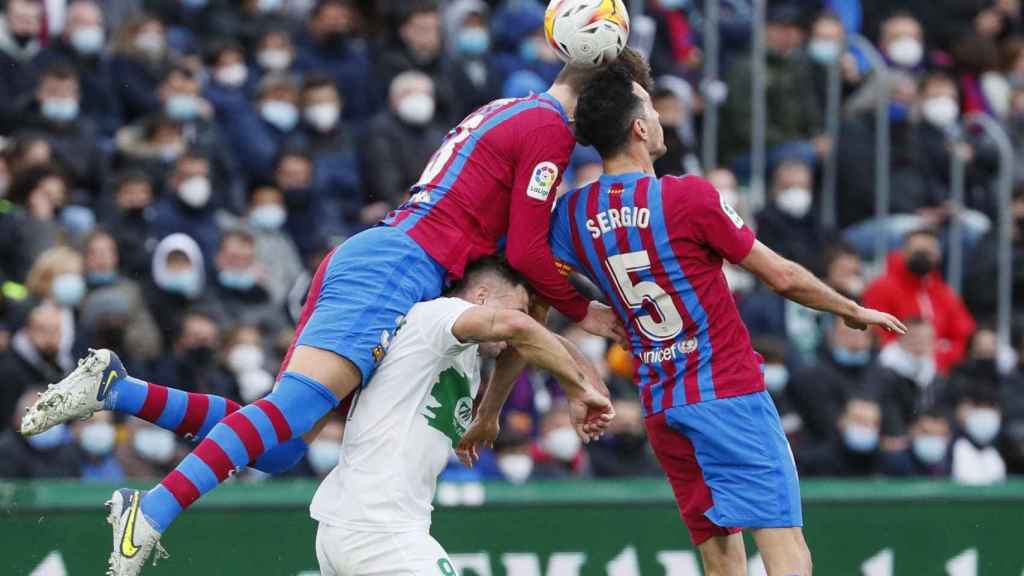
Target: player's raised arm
{"points": [[796, 283]]}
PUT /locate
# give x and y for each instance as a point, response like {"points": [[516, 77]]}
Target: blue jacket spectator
{"points": [[185, 207], [294, 174], [473, 71], [519, 43], [140, 60]]}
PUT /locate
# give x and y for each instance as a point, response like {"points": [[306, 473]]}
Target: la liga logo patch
{"points": [[543, 181]]}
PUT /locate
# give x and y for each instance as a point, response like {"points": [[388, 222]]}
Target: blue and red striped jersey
{"points": [[494, 179], [655, 247]]}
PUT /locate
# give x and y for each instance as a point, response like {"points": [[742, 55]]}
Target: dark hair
{"points": [[839, 249], [494, 264], [28, 179], [316, 80], [60, 70], [979, 392], [130, 176], [238, 234], [937, 77], [631, 60], [606, 109], [178, 70], [216, 47], [416, 8]]}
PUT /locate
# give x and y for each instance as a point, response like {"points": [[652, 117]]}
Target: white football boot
{"points": [[78, 395], [135, 539]]}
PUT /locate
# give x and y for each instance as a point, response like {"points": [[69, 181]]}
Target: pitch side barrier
{"points": [[563, 528]]}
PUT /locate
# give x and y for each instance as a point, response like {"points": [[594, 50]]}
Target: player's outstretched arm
{"points": [[796, 283]]}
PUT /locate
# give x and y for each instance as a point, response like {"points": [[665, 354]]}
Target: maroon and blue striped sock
{"points": [[240, 438]]}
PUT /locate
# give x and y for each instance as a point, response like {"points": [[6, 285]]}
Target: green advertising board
{"points": [[543, 529]]}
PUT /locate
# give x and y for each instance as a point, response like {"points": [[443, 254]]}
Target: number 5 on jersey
{"points": [[669, 323]]}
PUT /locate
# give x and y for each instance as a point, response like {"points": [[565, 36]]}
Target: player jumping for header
{"points": [[492, 181], [655, 248]]}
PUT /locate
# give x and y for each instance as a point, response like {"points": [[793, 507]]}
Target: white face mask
{"points": [[281, 114], [823, 51], [154, 444], [516, 468], [776, 376], [416, 109], [68, 289], [87, 40], [60, 109], [97, 438], [245, 357], [930, 448], [906, 52], [323, 455], [323, 116], [561, 443], [983, 424], [234, 75], [195, 191], [268, 216], [254, 384], [941, 111], [274, 59], [150, 43], [795, 201]]}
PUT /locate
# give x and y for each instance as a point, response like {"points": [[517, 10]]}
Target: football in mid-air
{"points": [[587, 32]]}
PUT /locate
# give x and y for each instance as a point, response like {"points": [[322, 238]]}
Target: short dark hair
{"points": [[59, 70], [494, 264], [606, 109], [316, 80], [130, 176], [630, 60], [27, 180]]}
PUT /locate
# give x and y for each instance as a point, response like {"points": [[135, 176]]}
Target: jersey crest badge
{"points": [[449, 410], [542, 181]]}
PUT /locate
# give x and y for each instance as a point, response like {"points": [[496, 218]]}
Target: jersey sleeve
{"points": [[715, 222], [544, 155], [560, 238], [435, 320]]}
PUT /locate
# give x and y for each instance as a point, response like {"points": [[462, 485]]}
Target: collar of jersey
{"points": [[556, 104], [623, 178]]}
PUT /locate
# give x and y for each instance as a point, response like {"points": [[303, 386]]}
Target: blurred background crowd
{"points": [[171, 171]]}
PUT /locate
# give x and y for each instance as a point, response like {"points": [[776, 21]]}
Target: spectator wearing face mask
{"points": [[147, 451], [975, 459], [513, 456], [47, 455], [558, 452], [57, 277], [140, 58], [245, 358], [324, 452], [336, 166], [55, 112], [239, 283], [787, 225], [852, 450], [294, 176], [196, 364], [34, 358], [153, 145], [20, 28], [39, 194], [519, 42], [819, 391], [825, 47], [623, 451], [474, 74], [928, 453], [673, 99], [186, 208], [795, 126], [129, 221], [179, 281], [329, 44], [229, 80], [275, 53], [400, 140], [82, 45], [97, 438], [912, 286]]}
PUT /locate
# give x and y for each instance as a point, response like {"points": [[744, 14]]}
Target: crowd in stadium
{"points": [[171, 172]]}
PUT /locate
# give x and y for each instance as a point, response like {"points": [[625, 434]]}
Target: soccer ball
{"points": [[587, 32]]}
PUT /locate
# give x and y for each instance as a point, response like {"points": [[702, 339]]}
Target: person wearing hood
{"points": [[474, 73], [330, 44], [33, 359], [55, 111], [418, 45], [852, 449], [519, 43], [140, 58], [179, 281], [186, 208], [787, 224], [20, 27], [239, 286], [82, 45], [51, 454], [912, 286], [400, 140]]}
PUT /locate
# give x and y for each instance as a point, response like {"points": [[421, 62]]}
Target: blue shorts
{"points": [[729, 464], [362, 291]]}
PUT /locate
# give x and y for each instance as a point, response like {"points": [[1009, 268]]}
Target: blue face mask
{"points": [[182, 107], [48, 440], [268, 216], [60, 109], [235, 280], [68, 289], [930, 448], [528, 50], [473, 41], [898, 112], [859, 438], [101, 277], [184, 282], [851, 358]]}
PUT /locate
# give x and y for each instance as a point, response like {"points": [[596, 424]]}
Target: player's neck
{"points": [[566, 97], [629, 162]]}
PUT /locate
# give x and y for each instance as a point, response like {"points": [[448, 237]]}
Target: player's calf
{"points": [[784, 551], [724, 555]]}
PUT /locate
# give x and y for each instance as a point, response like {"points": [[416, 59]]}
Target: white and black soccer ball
{"points": [[587, 32]]}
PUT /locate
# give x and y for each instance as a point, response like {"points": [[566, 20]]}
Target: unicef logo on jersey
{"points": [[672, 352]]}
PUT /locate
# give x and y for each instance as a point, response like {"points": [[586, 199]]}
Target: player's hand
{"points": [[591, 413], [481, 434], [601, 321], [864, 317]]}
